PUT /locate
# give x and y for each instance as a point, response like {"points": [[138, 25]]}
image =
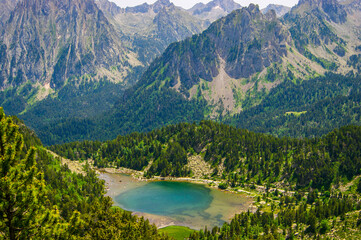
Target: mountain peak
{"points": [[332, 8], [228, 5], [279, 9], [145, 7], [214, 9], [109, 7], [160, 4]]}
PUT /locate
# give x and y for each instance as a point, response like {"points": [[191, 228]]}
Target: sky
{"points": [[190, 3]]}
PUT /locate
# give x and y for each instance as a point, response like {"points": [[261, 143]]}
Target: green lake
{"points": [[174, 203]]}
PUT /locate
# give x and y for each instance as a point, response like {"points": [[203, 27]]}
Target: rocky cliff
{"points": [[6, 7], [149, 28], [51, 41], [235, 47]]}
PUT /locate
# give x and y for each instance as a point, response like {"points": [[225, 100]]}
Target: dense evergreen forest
{"points": [[42, 199], [316, 216], [152, 108], [294, 108], [246, 157], [309, 108], [310, 169]]}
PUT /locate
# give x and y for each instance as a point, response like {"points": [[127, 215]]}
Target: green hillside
{"points": [[42, 199], [298, 185]]}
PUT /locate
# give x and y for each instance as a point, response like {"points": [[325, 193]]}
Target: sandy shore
{"points": [[138, 176], [234, 202]]}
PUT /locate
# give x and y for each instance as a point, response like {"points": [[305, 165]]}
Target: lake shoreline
{"points": [[164, 221], [138, 176], [224, 206]]}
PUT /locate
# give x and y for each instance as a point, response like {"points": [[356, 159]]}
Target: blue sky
{"points": [[190, 3]]}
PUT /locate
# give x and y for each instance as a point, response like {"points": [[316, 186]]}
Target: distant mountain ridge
{"points": [[213, 10], [234, 64], [279, 9], [228, 69], [149, 28]]}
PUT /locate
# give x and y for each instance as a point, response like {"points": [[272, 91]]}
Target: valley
{"points": [[220, 121], [274, 172], [230, 69]]}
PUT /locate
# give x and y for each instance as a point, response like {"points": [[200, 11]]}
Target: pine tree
{"points": [[24, 211]]}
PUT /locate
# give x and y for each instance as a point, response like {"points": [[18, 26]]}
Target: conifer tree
{"points": [[24, 211]]}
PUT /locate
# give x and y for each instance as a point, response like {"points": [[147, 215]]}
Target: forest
{"points": [[296, 217], [42, 199], [294, 108], [68, 205], [311, 171], [247, 157], [302, 109]]}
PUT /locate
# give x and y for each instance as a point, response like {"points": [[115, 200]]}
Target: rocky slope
{"points": [[45, 43], [57, 56], [229, 68], [214, 9], [243, 56], [213, 63], [6, 7], [237, 61], [149, 28]]}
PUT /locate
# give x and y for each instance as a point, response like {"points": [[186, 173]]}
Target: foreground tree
{"points": [[24, 211]]}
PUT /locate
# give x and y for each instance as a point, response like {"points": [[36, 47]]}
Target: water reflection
{"points": [[174, 203]]}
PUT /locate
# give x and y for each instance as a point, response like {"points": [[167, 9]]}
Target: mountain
{"points": [[48, 42], [214, 9], [57, 57], [52, 183], [148, 29], [72, 59], [279, 9], [231, 68], [237, 46], [327, 33]]}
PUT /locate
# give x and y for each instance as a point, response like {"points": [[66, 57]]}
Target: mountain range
{"points": [[69, 53], [247, 53], [229, 68], [149, 29], [279, 9]]}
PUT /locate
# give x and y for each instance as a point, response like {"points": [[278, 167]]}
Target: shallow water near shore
{"points": [[174, 203]]}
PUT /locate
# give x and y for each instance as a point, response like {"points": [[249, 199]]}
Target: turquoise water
{"points": [[174, 203], [166, 198]]}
